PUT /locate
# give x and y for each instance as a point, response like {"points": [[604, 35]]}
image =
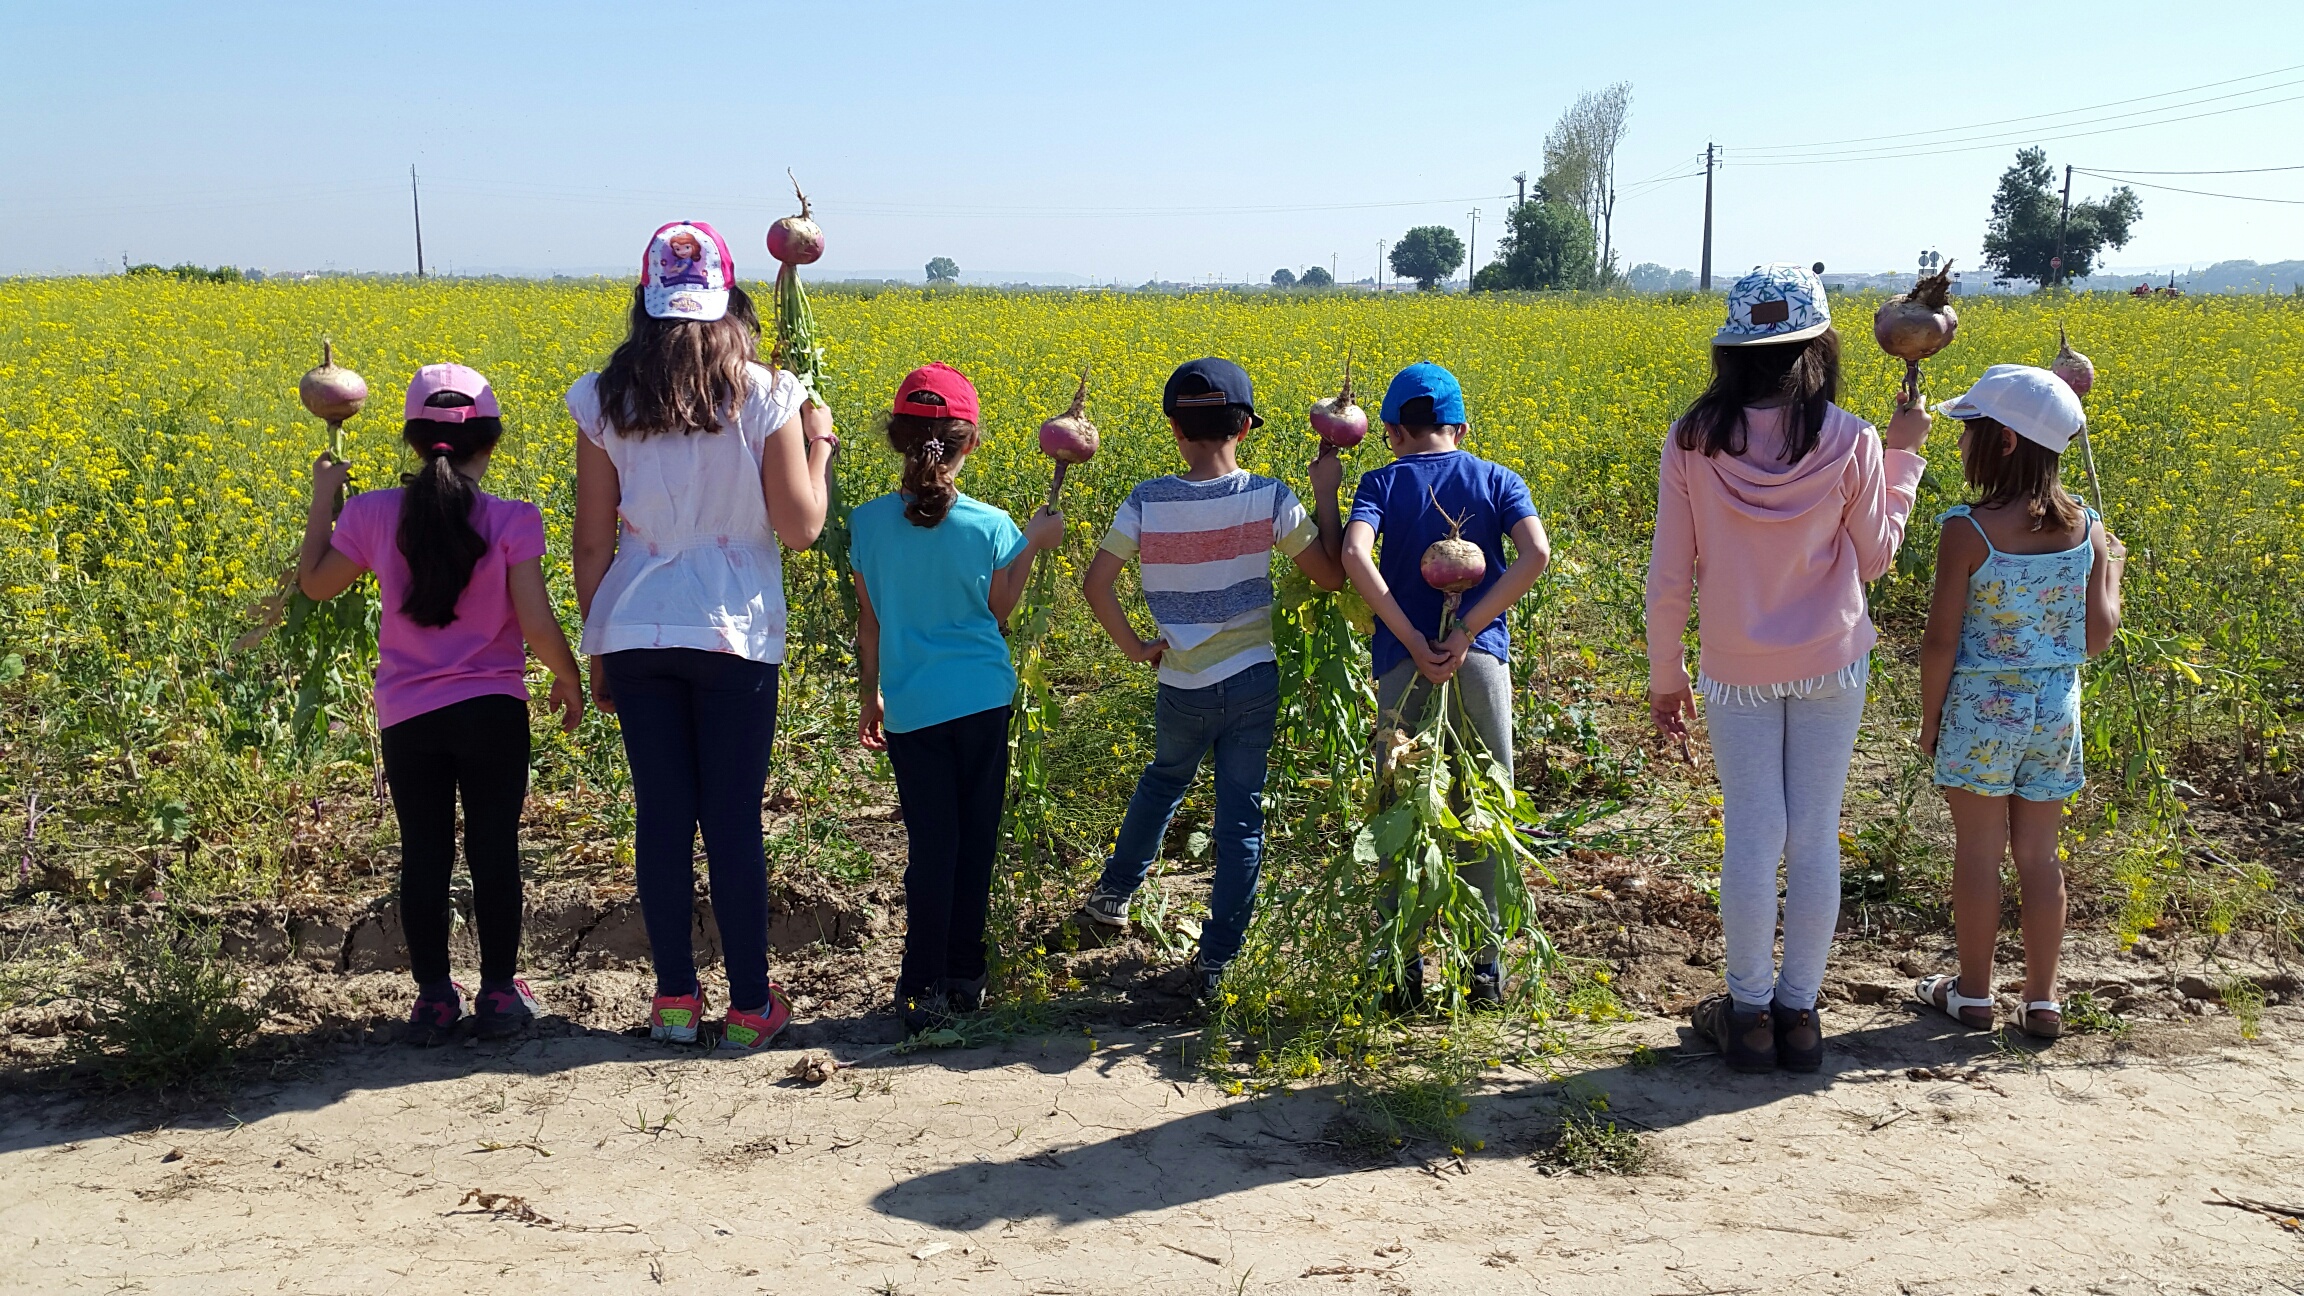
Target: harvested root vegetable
{"points": [[1452, 564], [2077, 371], [330, 390], [1916, 325], [1339, 422], [796, 240], [1069, 438]]}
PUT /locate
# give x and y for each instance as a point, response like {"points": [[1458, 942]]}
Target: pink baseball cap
{"points": [[686, 272], [434, 379]]}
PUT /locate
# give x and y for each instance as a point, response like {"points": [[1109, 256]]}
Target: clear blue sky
{"points": [[1115, 141]]}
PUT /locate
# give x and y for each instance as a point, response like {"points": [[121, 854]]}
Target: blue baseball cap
{"points": [[1428, 381], [1208, 384]]}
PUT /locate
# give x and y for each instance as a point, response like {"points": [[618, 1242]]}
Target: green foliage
{"points": [[186, 272], [1427, 254], [1589, 1141], [1283, 278], [2085, 1014], [170, 1010], [1316, 277], [943, 270], [2020, 237], [2244, 999], [1545, 245]]}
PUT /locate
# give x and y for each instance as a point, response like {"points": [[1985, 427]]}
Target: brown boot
{"points": [[1799, 1038], [1747, 1039]]}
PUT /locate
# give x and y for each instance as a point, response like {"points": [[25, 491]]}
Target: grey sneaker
{"points": [[1207, 979], [1107, 909]]}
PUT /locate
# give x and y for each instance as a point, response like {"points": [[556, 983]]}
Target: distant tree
{"points": [[2020, 237], [1580, 166], [1649, 277], [1427, 254], [1683, 281], [943, 270], [1283, 278], [1546, 244], [1316, 277]]}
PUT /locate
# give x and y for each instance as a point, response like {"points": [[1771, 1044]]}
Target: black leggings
{"points": [[478, 746], [951, 778]]}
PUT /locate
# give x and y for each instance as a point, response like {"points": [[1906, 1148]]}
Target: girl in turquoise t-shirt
{"points": [[936, 575]]}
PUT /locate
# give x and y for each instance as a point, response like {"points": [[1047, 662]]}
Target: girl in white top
{"points": [[692, 464]]}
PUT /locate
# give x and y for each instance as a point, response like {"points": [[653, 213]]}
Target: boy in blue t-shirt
{"points": [[1409, 502]]}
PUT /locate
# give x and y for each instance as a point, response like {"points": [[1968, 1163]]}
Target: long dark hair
{"points": [[931, 448], [672, 375], [2027, 474], [1805, 374], [436, 533]]}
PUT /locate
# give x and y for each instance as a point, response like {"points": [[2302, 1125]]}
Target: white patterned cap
{"points": [[1775, 303]]}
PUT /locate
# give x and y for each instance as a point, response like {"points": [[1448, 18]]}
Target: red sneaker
{"points": [[750, 1032], [676, 1017]]}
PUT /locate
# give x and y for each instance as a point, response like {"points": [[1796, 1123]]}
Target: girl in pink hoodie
{"points": [[1780, 505]]}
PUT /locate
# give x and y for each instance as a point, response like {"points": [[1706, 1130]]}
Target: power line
{"points": [[2237, 171], [2006, 121], [2022, 139], [2286, 202]]}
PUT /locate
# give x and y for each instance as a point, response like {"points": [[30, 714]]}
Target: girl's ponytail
{"points": [[436, 534], [931, 448]]}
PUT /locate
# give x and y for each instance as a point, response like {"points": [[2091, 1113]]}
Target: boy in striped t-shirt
{"points": [[1203, 542]]}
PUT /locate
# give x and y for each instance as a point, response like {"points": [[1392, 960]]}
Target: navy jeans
{"points": [[1234, 718], [698, 727], [951, 778]]}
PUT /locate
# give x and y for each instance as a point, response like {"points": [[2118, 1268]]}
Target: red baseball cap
{"points": [[957, 396]]}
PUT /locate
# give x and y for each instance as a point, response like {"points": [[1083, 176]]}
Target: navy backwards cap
{"points": [[1209, 383], [1429, 381]]}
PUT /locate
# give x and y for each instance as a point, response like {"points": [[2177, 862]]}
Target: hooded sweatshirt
{"points": [[1782, 552]]}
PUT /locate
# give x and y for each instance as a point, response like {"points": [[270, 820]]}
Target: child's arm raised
{"points": [[1960, 550], [1360, 565], [1044, 531], [1103, 571], [1322, 561], [2104, 589], [1532, 552], [869, 729], [322, 572], [540, 626]]}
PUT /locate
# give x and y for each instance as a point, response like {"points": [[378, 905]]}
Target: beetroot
{"points": [[1916, 325], [796, 240], [1069, 438], [1339, 422], [331, 391], [2077, 371]]}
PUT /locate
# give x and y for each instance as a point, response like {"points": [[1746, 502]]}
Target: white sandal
{"points": [[1954, 1003], [2024, 1014]]}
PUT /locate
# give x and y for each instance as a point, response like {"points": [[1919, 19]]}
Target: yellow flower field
{"points": [[153, 462]]}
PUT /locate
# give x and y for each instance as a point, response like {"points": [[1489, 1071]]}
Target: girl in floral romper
{"points": [[2027, 587]]}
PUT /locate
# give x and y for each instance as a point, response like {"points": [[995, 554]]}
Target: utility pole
{"points": [[1522, 180], [1472, 264], [418, 209], [2063, 218], [1379, 265], [1332, 268], [1704, 277]]}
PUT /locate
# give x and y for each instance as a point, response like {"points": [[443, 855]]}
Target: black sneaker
{"points": [[1747, 1039], [1407, 995], [962, 996], [1799, 1038], [504, 1010], [925, 1012], [433, 1018], [1487, 985], [1207, 980], [1107, 909]]}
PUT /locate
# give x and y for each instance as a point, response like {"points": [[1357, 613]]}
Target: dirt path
{"points": [[608, 1164]]}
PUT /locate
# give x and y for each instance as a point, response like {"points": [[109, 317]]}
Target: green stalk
{"points": [[798, 353]]}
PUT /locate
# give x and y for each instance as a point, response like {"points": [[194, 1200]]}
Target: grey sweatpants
{"points": [[1783, 764], [1485, 685]]}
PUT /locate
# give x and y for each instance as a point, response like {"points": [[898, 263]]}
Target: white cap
{"points": [[2032, 402], [1775, 303]]}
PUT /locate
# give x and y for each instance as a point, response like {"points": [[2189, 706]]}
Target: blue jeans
{"points": [[698, 727], [1233, 717]]}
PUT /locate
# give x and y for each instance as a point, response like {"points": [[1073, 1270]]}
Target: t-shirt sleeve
{"points": [[523, 535], [1293, 530], [1513, 504], [1127, 533], [351, 537], [1007, 538], [583, 402], [775, 397], [1368, 500]]}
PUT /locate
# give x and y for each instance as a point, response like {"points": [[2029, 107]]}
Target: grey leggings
{"points": [[1783, 765], [1485, 685]]}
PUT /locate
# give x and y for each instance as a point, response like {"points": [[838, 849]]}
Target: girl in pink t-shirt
{"points": [[461, 580]]}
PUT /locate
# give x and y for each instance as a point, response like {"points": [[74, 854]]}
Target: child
{"points": [[1408, 503], [1203, 541], [936, 575], [461, 583], [2027, 587], [693, 464]]}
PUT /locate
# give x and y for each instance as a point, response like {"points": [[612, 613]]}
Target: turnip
{"points": [[1069, 438], [334, 393], [1339, 422], [1916, 325], [2077, 371], [796, 240], [1452, 565]]}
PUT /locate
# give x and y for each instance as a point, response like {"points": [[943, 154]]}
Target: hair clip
{"points": [[932, 449]]}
